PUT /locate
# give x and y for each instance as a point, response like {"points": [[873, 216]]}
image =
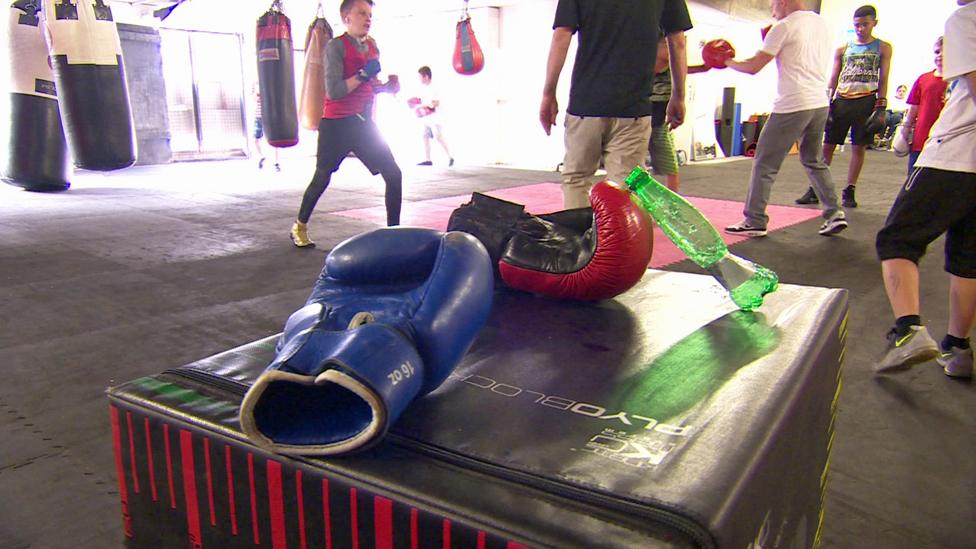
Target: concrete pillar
{"points": [[147, 92]]}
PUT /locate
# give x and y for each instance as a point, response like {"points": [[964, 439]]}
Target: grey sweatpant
{"points": [[775, 140]]}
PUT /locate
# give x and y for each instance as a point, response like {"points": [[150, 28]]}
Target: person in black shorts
{"points": [[939, 197], [859, 88], [347, 124]]}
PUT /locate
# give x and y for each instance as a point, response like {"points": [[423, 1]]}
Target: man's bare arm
{"points": [[752, 65], [886, 51], [561, 37], [835, 72], [677, 51]]}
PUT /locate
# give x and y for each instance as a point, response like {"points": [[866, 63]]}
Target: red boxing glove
{"points": [[716, 52], [764, 31], [393, 84], [582, 254], [413, 102]]}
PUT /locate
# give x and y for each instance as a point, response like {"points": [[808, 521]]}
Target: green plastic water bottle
{"points": [[684, 224]]}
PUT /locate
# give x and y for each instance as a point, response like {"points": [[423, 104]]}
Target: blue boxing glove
{"points": [[369, 70], [391, 315]]}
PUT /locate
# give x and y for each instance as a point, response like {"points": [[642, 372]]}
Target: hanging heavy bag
{"points": [[35, 153], [276, 78], [313, 82], [468, 58], [86, 57]]}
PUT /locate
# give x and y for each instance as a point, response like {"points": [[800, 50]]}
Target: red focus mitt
{"points": [[716, 52]]}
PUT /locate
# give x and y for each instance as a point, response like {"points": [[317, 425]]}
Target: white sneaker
{"points": [[834, 224], [746, 229]]}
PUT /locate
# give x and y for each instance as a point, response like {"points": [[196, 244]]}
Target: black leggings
{"points": [[320, 181], [358, 134]]}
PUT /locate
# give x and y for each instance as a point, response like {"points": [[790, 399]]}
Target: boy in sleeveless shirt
{"points": [[859, 89]]}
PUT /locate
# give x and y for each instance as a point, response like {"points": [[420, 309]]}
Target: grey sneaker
{"points": [[834, 224], [957, 362], [908, 350], [746, 229]]}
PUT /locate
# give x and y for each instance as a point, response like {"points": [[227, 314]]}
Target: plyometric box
{"points": [[663, 418]]}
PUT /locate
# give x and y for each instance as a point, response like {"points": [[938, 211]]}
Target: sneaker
{"points": [[957, 362], [834, 224], [299, 235], [746, 229], [425, 163], [277, 167], [913, 348], [261, 163], [808, 197], [450, 163], [847, 197]]}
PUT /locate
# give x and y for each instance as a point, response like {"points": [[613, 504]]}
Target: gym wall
{"points": [[492, 118]]}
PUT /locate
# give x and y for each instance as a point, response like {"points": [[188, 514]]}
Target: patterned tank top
{"points": [[860, 73]]}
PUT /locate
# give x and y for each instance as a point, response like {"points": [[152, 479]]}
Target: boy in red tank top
{"points": [[347, 124]]}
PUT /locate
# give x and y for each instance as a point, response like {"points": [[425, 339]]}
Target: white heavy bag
{"points": [[35, 155], [86, 56]]}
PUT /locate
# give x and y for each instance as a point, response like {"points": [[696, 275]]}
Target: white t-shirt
{"points": [[952, 141], [801, 44], [428, 94], [898, 105]]}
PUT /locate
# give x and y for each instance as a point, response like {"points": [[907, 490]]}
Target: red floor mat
{"points": [[547, 197]]}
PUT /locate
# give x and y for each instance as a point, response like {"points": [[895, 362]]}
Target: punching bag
{"points": [[468, 58], [86, 56], [35, 153], [313, 83], [276, 78]]}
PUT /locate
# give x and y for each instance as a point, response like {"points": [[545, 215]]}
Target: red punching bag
{"points": [[468, 58], [276, 78], [86, 56], [35, 153]]}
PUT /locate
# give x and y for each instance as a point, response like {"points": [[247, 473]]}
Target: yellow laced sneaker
{"points": [[299, 235]]}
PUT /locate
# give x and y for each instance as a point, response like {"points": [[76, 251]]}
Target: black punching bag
{"points": [[86, 56], [35, 154], [276, 78]]}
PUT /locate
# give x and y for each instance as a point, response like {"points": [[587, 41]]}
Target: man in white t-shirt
{"points": [[938, 197], [800, 44]]}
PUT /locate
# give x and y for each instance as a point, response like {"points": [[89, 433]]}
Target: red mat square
{"points": [[547, 197]]}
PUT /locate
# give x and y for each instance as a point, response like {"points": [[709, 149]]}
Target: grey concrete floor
{"points": [[136, 271]]}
